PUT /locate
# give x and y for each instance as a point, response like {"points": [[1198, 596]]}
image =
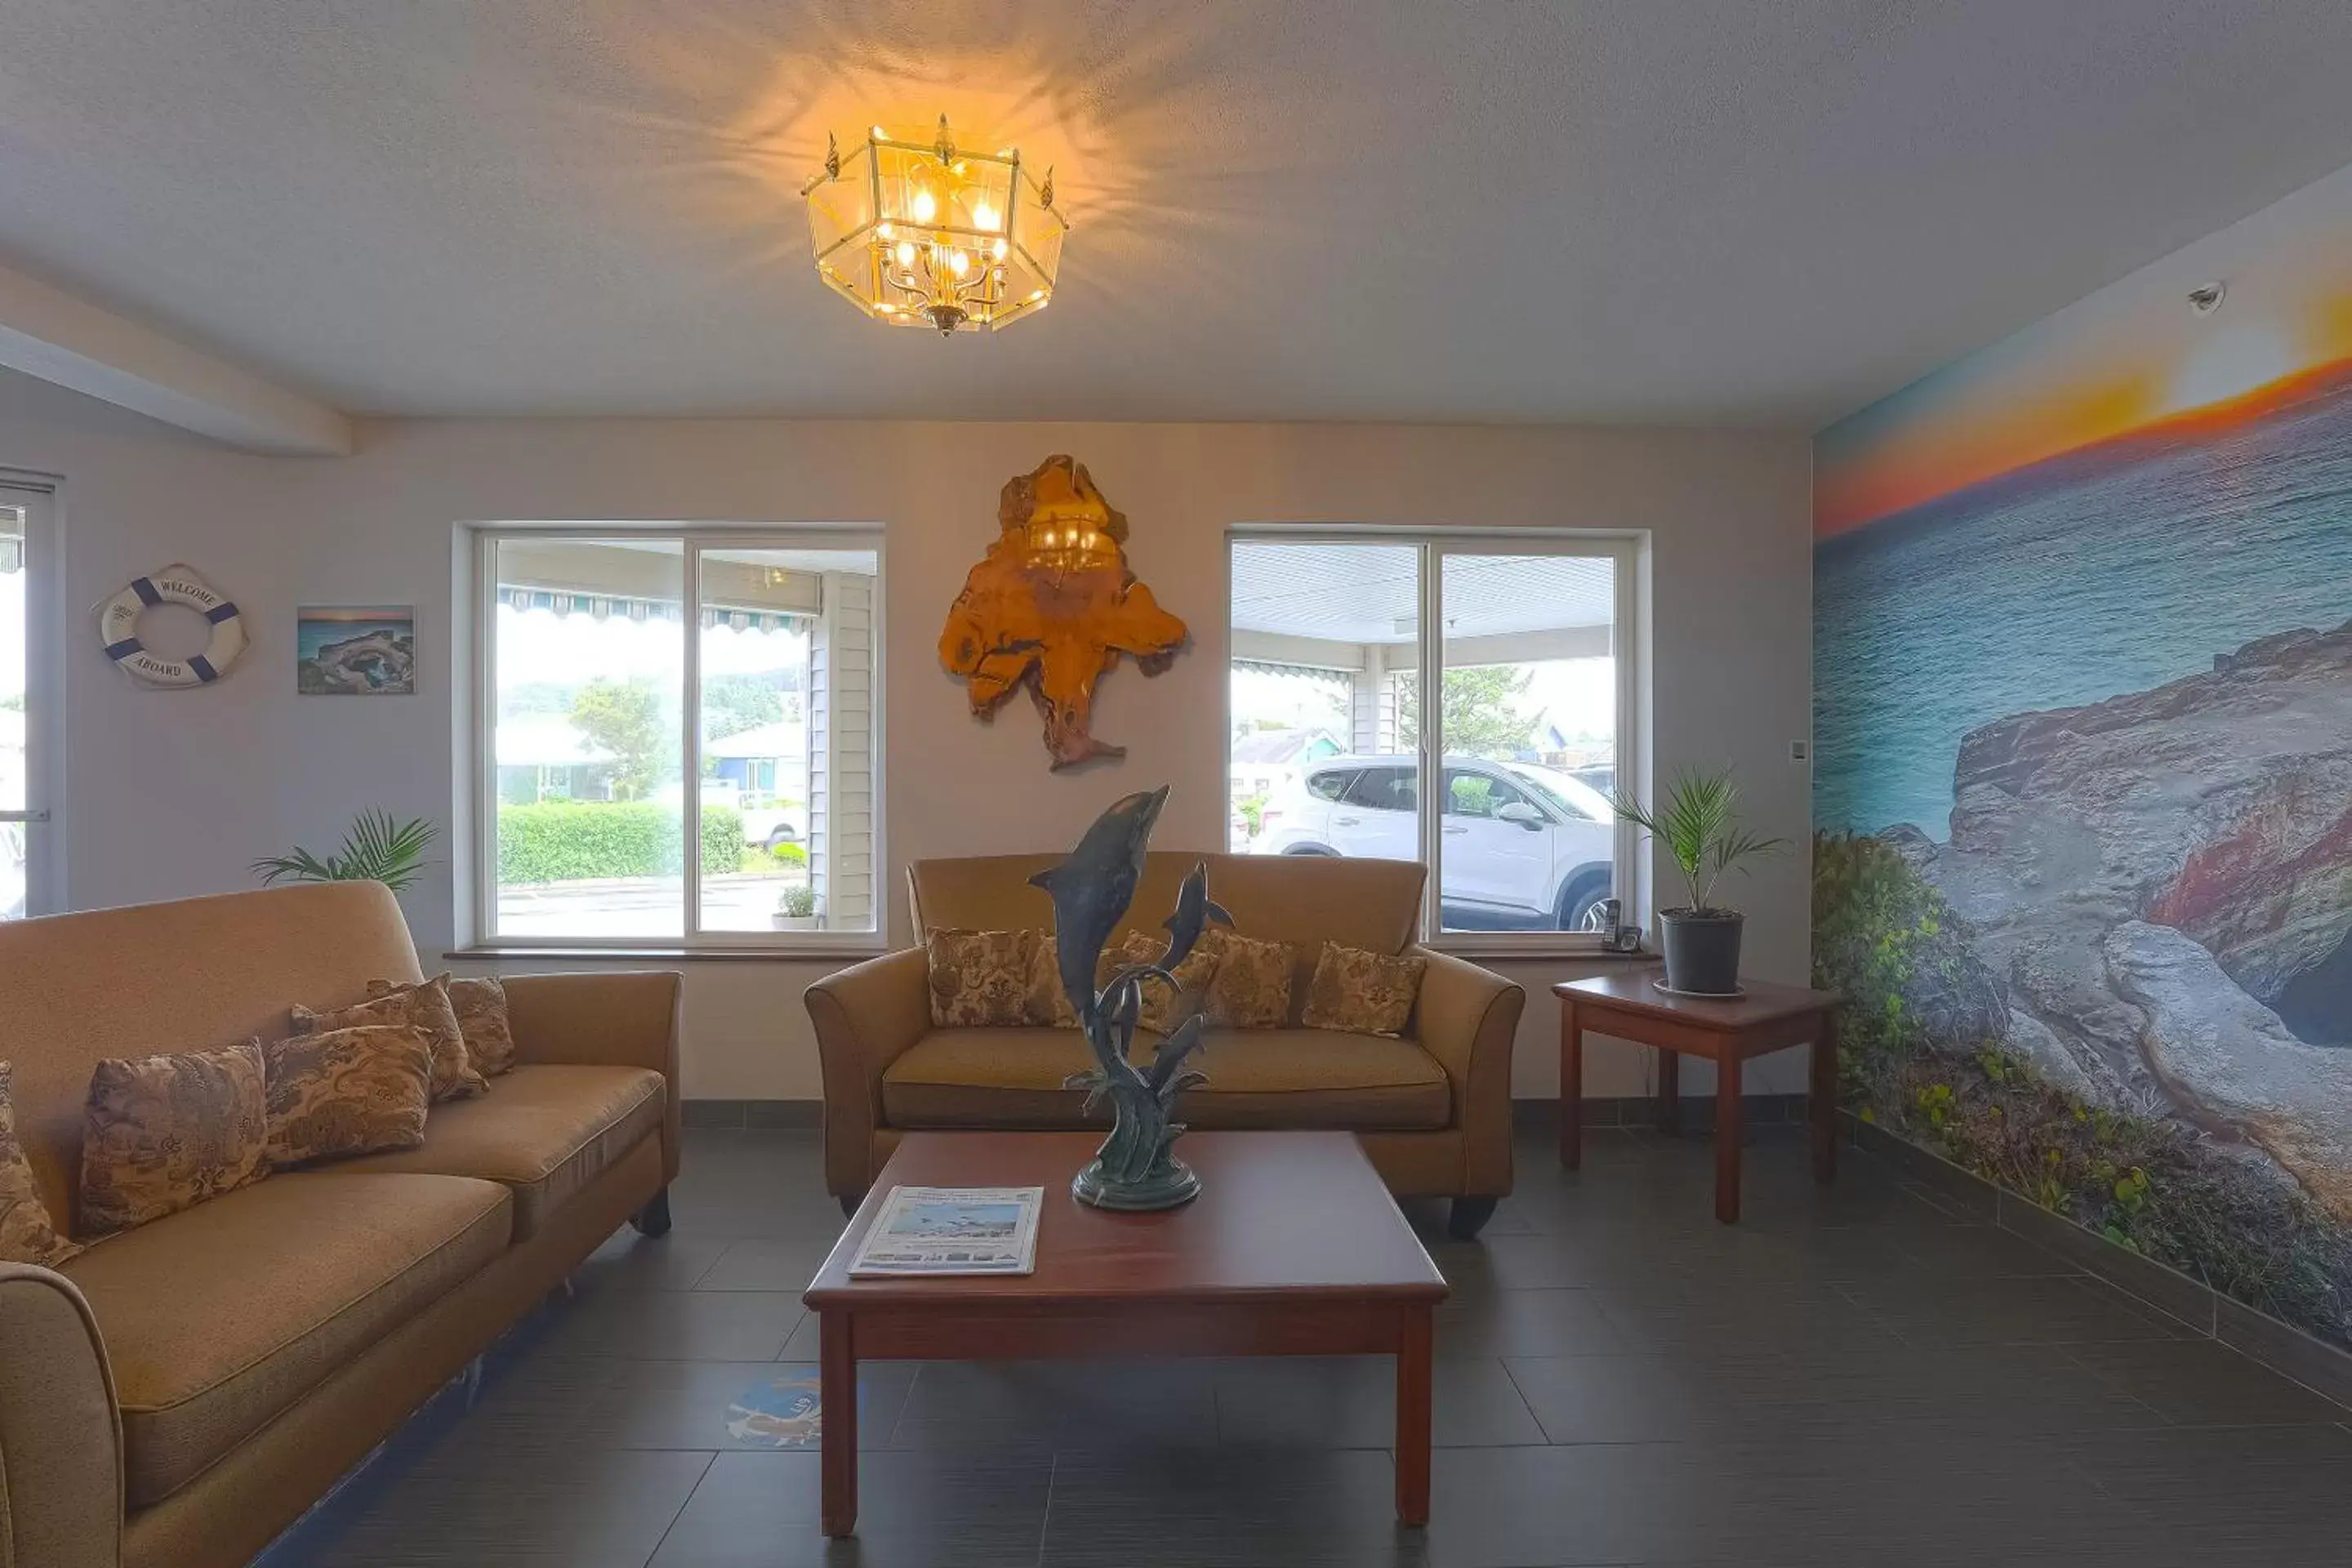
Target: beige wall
{"points": [[170, 794]]}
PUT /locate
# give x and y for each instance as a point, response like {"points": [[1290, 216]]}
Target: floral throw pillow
{"points": [[1163, 1009], [340, 1092], [164, 1134], [426, 1007], [481, 1007], [26, 1235], [980, 979], [1362, 992], [1048, 1003], [1251, 987]]}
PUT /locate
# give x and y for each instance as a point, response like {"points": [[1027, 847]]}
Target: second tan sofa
{"points": [[1433, 1110], [178, 1394]]}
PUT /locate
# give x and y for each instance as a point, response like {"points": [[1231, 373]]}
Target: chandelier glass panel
{"points": [[928, 234]]}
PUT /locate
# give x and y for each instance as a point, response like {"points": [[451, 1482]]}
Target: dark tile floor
{"points": [[1859, 1376]]}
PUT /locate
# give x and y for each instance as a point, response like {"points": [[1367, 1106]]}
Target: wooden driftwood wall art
{"points": [[1053, 607]]}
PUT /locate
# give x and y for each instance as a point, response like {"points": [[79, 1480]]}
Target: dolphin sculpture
{"points": [[1136, 1167], [1092, 889]]}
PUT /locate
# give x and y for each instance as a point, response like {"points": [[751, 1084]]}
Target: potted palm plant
{"points": [[1698, 826], [376, 849]]}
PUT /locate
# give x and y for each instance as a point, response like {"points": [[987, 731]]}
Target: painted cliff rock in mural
{"points": [[2096, 851], [1054, 607]]}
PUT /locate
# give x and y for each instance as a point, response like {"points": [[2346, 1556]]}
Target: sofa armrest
{"points": [[1467, 1018], [61, 1434], [866, 1018], [625, 1018]]}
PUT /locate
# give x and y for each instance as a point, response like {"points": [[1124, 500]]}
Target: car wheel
{"points": [[778, 838], [1576, 900], [1312, 849]]}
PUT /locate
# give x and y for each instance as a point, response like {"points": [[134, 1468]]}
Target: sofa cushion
{"points": [[217, 1318], [544, 1131], [1295, 1078], [1362, 992]]}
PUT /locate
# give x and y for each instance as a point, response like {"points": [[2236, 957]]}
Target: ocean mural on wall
{"points": [[2083, 667]]}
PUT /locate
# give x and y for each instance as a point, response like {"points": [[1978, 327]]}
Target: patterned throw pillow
{"points": [[164, 1134], [1362, 992], [340, 1092], [1048, 1003], [26, 1234], [1251, 989], [1164, 1009], [481, 1007], [425, 1007], [980, 979]]}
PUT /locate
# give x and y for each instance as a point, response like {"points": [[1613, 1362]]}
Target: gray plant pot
{"points": [[1702, 951]]}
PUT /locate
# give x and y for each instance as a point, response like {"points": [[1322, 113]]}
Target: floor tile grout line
{"points": [[1045, 1519], [684, 1503]]}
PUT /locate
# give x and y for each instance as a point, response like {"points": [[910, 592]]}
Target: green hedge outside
{"points": [[574, 841]]}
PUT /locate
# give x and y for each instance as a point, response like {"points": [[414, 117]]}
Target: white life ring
{"points": [[118, 623]]}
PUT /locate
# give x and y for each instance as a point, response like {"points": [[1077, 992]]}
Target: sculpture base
{"points": [[1165, 1186]]}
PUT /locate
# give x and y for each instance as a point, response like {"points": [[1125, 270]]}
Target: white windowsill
{"points": [[669, 952]]}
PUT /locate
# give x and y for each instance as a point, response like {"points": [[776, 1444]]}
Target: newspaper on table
{"points": [[953, 1230]]}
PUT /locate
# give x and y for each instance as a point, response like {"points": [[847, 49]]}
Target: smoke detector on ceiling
{"points": [[2206, 297]]}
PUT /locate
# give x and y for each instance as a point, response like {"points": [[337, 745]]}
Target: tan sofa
{"points": [[1434, 1109], [177, 1395]]}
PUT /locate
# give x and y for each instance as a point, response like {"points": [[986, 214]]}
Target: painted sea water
{"points": [[2079, 579]]}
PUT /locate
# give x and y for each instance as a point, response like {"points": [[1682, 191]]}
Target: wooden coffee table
{"points": [[1294, 1248]]}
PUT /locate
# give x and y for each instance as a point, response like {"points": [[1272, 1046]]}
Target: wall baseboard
{"points": [[742, 1115], [2197, 1306], [1630, 1110], [1641, 1110]]}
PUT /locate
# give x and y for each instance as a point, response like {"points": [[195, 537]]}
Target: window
{"points": [[26, 835], [601, 696], [1331, 631]]}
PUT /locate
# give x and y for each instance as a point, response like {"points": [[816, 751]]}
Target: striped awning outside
{"points": [[605, 607]]}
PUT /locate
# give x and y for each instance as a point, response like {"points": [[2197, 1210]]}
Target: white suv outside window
{"points": [[1525, 848]]}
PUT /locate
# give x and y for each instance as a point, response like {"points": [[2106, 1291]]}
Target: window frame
{"points": [[42, 819], [693, 539], [1624, 549]]}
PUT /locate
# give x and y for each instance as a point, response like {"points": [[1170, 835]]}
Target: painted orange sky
{"points": [[2128, 359]]}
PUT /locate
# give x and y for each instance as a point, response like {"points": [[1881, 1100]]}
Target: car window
{"points": [[1330, 785], [1470, 794], [1386, 789], [1573, 796]]}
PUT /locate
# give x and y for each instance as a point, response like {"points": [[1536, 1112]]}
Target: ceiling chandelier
{"points": [[931, 236]]}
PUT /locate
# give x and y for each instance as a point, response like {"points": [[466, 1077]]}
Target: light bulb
{"points": [[959, 263], [905, 253], [983, 215], [998, 249], [926, 206], [885, 231]]}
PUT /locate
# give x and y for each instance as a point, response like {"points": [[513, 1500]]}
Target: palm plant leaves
{"points": [[1698, 826], [376, 849]]}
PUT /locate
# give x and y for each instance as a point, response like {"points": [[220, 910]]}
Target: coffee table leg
{"points": [[838, 1396], [1413, 1396], [1572, 1086], [1824, 1103], [1670, 1091], [1726, 1135]]}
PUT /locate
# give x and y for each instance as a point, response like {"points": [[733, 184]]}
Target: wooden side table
{"points": [[1727, 1031]]}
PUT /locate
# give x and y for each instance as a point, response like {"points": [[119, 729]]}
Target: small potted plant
{"points": [[1699, 827], [796, 907]]}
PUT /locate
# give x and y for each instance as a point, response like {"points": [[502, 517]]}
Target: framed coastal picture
{"points": [[356, 651]]}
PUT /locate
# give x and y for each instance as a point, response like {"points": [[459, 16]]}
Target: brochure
{"points": [[953, 1230]]}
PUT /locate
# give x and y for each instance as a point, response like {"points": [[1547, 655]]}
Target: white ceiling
{"points": [[1517, 210]]}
